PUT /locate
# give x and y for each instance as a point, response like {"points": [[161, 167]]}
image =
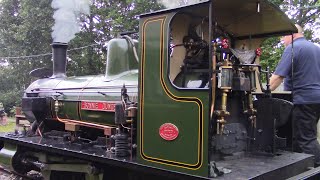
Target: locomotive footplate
{"points": [[91, 154], [283, 165]]}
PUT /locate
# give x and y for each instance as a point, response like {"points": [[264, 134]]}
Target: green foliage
{"points": [[10, 99], [272, 51], [9, 127], [10, 89], [23, 33]]}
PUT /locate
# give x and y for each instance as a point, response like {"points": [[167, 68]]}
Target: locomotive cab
{"points": [[206, 75]]}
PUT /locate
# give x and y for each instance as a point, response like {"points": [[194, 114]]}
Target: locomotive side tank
{"points": [[85, 100], [185, 102]]}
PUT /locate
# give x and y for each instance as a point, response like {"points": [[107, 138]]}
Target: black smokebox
{"points": [[59, 55]]}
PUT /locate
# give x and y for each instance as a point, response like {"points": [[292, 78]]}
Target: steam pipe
{"points": [[59, 55]]}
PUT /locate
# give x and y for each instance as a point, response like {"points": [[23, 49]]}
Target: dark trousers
{"points": [[305, 119]]}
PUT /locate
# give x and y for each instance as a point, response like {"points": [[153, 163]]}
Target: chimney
{"points": [[59, 55]]}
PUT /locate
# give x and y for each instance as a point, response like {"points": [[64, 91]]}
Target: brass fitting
{"points": [[57, 105], [222, 113], [132, 112]]}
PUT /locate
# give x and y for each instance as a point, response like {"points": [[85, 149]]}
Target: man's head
{"points": [[289, 38], [300, 29]]}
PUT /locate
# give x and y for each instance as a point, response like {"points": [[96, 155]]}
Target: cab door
{"points": [[173, 120]]}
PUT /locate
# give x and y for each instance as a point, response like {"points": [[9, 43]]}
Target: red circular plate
{"points": [[168, 131]]}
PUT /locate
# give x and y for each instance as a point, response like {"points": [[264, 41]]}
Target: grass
{"points": [[9, 127]]}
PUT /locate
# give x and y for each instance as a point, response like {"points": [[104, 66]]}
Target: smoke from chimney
{"points": [[66, 15]]}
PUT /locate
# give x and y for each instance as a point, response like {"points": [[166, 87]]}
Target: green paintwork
{"points": [[161, 102], [112, 92], [6, 155], [69, 110], [120, 57]]}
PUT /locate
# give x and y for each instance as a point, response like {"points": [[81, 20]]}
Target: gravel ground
{"points": [[4, 175]]}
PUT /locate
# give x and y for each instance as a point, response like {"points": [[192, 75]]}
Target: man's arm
{"points": [[275, 81]]}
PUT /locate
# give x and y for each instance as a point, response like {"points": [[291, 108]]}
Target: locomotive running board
{"points": [[53, 146], [286, 165], [281, 166]]}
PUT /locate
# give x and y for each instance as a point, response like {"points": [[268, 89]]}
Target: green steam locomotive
{"points": [[184, 102]]}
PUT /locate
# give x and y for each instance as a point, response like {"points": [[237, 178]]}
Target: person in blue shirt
{"points": [[299, 67]]}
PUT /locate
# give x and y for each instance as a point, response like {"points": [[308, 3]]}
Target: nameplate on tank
{"points": [[98, 106]]}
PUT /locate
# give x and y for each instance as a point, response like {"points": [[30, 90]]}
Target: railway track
{"points": [[7, 175]]}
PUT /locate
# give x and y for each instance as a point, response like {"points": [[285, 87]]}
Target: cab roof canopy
{"points": [[251, 18], [244, 19]]}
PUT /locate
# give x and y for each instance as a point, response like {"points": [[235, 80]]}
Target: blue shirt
{"points": [[305, 82]]}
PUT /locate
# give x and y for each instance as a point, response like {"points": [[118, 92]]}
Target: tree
{"points": [[22, 33], [304, 13]]}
